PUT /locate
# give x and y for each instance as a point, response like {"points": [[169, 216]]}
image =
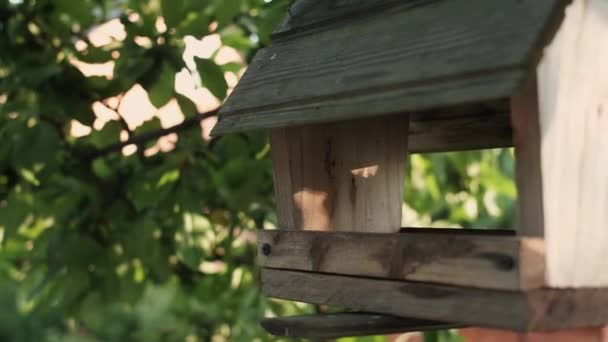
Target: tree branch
{"points": [[145, 137]]}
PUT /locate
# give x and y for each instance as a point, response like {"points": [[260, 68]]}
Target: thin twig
{"points": [[145, 137]]}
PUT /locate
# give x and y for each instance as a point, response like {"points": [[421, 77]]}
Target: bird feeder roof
{"points": [[348, 59]]}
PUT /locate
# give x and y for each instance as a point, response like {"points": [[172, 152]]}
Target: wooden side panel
{"points": [[573, 95], [341, 176], [537, 310], [476, 260], [411, 56]]}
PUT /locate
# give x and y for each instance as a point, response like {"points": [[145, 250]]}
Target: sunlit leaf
{"points": [[163, 89]]}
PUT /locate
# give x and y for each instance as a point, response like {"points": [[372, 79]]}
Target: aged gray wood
{"points": [[536, 310], [437, 132], [475, 260], [347, 324], [401, 59]]}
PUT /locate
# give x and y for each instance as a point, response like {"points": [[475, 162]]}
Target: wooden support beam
{"points": [[475, 129], [536, 310], [341, 176], [469, 258], [528, 174], [348, 324]]}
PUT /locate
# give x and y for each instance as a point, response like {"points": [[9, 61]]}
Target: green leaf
{"points": [[94, 55], [102, 169], [172, 11], [81, 11], [108, 135], [270, 19], [235, 37], [131, 65], [212, 77], [162, 90], [194, 24], [149, 126], [37, 145], [225, 10], [150, 189], [13, 212], [186, 105]]}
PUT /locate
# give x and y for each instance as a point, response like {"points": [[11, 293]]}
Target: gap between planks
{"points": [[347, 324], [492, 260], [535, 310]]}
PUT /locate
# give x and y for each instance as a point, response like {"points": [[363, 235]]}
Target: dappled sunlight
{"points": [[134, 106], [365, 172], [314, 203], [105, 34], [95, 69]]}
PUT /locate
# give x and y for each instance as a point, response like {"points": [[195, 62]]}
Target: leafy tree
{"points": [[96, 245]]}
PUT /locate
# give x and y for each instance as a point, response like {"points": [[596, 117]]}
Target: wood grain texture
{"points": [[347, 324], [479, 129], [475, 260], [310, 14], [536, 310], [401, 59], [341, 176], [573, 96], [528, 174]]}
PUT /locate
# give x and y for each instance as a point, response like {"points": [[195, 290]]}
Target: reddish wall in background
{"points": [[491, 335]]}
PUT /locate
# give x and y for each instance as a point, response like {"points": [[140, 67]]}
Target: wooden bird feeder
{"points": [[349, 87]]}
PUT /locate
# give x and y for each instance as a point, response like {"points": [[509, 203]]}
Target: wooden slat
{"points": [[442, 133], [341, 176], [473, 259], [486, 87], [536, 310], [347, 324], [400, 60], [573, 96]]}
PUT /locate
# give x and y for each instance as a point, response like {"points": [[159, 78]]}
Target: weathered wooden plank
{"points": [[341, 176], [528, 174], [401, 60], [573, 97], [482, 88], [431, 132], [475, 260], [536, 310], [347, 324]]}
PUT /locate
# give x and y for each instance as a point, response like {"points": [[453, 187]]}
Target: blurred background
{"points": [[121, 219]]}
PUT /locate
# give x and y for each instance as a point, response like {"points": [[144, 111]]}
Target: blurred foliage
{"points": [[157, 248]]}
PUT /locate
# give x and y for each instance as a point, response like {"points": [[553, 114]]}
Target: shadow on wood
{"points": [[347, 324]]}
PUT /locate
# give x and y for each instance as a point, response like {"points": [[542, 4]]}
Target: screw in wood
{"points": [[266, 249]]}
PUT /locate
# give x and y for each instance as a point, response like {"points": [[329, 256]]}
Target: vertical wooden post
{"points": [[573, 102], [343, 176], [528, 174], [560, 120]]}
